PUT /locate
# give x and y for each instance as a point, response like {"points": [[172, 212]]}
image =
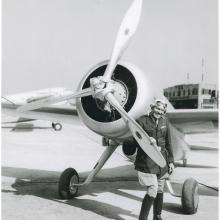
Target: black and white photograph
{"points": [[109, 110]]}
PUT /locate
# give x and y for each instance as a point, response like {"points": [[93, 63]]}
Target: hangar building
{"points": [[189, 96]]}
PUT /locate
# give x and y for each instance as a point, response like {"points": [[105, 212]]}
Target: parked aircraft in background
{"points": [[28, 97], [109, 98]]}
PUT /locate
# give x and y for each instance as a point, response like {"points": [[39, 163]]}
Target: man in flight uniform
{"points": [[149, 173]]}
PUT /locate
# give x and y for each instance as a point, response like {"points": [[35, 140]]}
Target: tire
{"points": [[56, 126], [67, 178], [190, 196]]}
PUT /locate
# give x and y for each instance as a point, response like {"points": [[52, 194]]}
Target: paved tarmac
{"points": [[34, 155]]}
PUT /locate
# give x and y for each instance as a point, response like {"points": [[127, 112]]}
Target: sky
{"points": [[53, 43]]}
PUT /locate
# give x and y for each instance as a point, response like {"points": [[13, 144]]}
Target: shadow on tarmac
{"points": [[49, 191], [174, 208], [101, 208], [43, 184], [24, 127], [34, 176]]}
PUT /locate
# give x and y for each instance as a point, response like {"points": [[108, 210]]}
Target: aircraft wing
{"points": [[181, 121], [184, 120], [31, 96], [189, 121], [54, 113], [194, 120]]}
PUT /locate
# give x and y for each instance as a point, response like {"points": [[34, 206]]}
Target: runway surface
{"points": [[34, 155]]}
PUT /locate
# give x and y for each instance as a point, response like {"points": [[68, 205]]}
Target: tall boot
{"points": [[145, 207], [158, 205]]}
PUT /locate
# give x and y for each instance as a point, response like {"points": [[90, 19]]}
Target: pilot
{"points": [[149, 173]]}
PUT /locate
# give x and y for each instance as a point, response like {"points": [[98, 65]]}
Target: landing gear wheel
{"points": [[56, 126], [66, 187], [190, 196]]}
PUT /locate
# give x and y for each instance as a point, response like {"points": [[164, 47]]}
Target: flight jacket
{"points": [[160, 132]]}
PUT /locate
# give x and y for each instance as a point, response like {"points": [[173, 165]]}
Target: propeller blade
{"points": [[54, 99], [138, 133], [126, 31]]}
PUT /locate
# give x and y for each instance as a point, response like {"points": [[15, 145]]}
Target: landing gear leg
{"points": [[69, 179]]}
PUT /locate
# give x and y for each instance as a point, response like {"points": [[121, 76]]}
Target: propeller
{"points": [[138, 133], [53, 99], [126, 30]]}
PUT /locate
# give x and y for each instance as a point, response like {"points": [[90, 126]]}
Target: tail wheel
{"points": [[56, 126], [190, 196], [66, 187]]}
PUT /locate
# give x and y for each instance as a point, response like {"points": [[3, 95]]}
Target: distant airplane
{"points": [[12, 101], [109, 98]]}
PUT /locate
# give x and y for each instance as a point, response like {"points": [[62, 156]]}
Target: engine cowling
{"points": [[133, 91]]}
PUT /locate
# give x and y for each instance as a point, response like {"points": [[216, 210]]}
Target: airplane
{"points": [[109, 99], [29, 97]]}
